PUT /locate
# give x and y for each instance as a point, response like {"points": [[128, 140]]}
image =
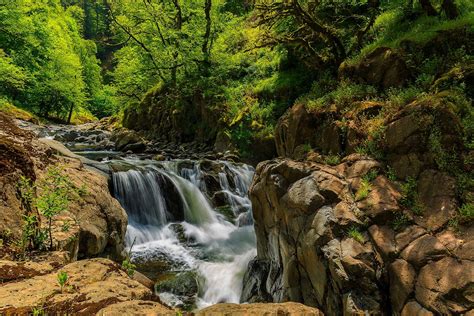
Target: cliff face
{"points": [[320, 245], [365, 236]]}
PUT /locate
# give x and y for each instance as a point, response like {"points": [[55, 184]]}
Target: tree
{"points": [[316, 30]]}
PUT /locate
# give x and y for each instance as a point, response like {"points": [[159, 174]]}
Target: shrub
{"points": [[56, 191]]}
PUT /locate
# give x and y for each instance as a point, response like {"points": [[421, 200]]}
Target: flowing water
{"points": [[189, 216]]}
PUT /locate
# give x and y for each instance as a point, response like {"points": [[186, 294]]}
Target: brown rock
{"points": [[437, 194], [259, 309], [384, 239], [382, 200], [92, 285], [383, 67], [414, 309], [17, 270], [138, 307], [423, 249], [407, 235], [446, 286], [402, 281]]}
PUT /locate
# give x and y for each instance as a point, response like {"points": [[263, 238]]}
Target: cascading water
{"points": [[195, 216]]}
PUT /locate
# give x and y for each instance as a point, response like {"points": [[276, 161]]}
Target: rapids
{"points": [[172, 221]]}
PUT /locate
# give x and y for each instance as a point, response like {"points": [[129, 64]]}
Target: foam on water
{"points": [[217, 249]]}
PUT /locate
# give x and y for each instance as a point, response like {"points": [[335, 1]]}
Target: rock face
{"points": [[314, 246], [92, 285], [97, 221]]}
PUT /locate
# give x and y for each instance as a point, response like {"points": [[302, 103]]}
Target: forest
{"points": [[248, 60], [172, 156]]}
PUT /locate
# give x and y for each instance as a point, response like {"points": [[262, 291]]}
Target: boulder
{"points": [[92, 284], [305, 209], [259, 309], [383, 67], [446, 286], [437, 195], [97, 223]]}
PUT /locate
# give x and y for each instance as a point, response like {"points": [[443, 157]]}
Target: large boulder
{"points": [[96, 221], [298, 126], [92, 285]]}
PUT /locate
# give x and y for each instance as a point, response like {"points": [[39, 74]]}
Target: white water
{"points": [[219, 250]]}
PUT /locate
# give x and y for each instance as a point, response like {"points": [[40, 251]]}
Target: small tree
{"points": [[56, 191], [48, 197]]}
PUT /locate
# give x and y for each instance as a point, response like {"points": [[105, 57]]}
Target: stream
{"points": [[190, 226], [174, 229]]}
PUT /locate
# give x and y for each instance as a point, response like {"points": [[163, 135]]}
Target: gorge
{"points": [[228, 157]]}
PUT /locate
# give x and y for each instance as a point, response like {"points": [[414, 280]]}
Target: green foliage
{"points": [[55, 192], [390, 173], [129, 267], [342, 96], [45, 63], [62, 279], [410, 196], [401, 220], [467, 211], [364, 190], [332, 160], [38, 311], [355, 234], [371, 175], [446, 159]]}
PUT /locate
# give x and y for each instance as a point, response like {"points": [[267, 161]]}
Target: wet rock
{"points": [[184, 285]]}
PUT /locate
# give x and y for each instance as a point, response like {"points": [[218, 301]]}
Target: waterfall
{"points": [[176, 213]]}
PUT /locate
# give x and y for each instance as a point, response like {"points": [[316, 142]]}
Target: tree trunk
{"points": [[450, 8], [70, 114], [428, 8], [206, 49]]}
